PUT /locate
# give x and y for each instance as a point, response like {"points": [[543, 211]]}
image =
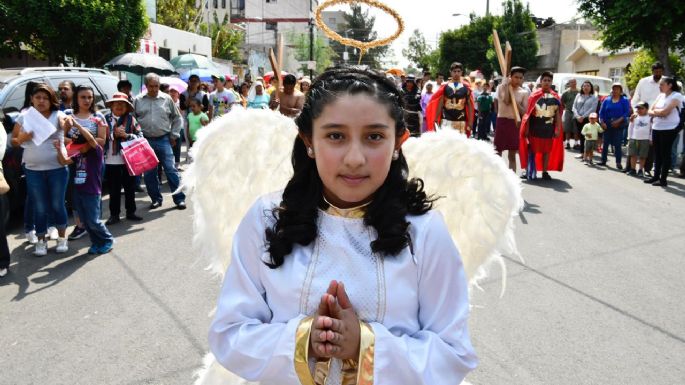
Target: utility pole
{"points": [[311, 39], [487, 8]]}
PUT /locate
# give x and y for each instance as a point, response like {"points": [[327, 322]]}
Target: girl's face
{"points": [[119, 108], [244, 89], [353, 141], [85, 100], [195, 107], [41, 101]]}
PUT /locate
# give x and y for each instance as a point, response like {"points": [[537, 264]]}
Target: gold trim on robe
{"points": [[367, 343], [302, 351], [353, 212]]}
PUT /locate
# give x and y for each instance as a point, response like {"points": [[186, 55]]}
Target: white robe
{"points": [[416, 304]]}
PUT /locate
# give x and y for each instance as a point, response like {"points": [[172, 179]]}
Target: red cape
{"points": [[434, 103], [556, 157]]}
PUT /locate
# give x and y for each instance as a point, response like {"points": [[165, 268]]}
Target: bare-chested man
{"points": [[289, 101]]}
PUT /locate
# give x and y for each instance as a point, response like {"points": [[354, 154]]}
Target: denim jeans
{"points": [[47, 190], [612, 137], [30, 214], [88, 206], [164, 153]]}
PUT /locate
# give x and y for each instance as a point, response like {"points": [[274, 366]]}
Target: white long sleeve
{"points": [[244, 338], [441, 351]]}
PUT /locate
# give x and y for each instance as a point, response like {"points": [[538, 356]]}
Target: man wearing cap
{"points": [[412, 102], [613, 116], [161, 124], [221, 100], [290, 101]]}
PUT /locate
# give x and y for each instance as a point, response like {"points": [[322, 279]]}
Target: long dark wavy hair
{"points": [[296, 216]]}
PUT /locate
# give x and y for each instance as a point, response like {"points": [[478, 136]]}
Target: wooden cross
{"points": [[277, 63], [505, 66]]}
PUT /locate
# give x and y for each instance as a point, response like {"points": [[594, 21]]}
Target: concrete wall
{"points": [[180, 42], [568, 43]]}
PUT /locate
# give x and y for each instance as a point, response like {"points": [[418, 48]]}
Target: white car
{"points": [[561, 79]]}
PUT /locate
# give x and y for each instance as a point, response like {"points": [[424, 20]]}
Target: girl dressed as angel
{"points": [[348, 276]]}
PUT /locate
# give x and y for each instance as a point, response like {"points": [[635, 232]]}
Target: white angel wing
{"points": [[481, 195], [236, 159], [246, 154]]}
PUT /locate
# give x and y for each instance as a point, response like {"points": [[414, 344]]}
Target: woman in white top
{"points": [[46, 178], [665, 112]]}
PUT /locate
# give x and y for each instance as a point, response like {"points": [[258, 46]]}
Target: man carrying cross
{"points": [[507, 133]]}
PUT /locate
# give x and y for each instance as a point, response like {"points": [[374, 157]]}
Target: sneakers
{"points": [[3, 272], [641, 173], [181, 205], [155, 205], [41, 249], [31, 237], [632, 173], [77, 233], [52, 233], [618, 166], [62, 245], [104, 249]]}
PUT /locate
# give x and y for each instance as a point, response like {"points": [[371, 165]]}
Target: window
{"points": [[215, 4], [270, 1], [223, 4], [271, 26], [616, 74]]}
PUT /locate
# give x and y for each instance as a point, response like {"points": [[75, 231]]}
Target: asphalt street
{"points": [[598, 300]]}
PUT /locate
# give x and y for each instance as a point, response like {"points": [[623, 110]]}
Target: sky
{"points": [[434, 16]]}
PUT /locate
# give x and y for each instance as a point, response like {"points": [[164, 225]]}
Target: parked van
{"points": [[561, 80]]}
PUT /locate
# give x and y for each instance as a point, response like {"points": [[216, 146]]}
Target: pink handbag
{"points": [[138, 156]]}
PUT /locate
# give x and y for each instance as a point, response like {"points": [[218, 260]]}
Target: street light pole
{"points": [[311, 39], [487, 8]]}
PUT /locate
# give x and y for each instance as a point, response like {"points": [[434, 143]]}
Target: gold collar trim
{"points": [[356, 212]]}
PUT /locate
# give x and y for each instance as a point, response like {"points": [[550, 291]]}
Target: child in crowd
{"points": [[639, 135], [196, 120], [591, 133], [484, 102], [88, 158]]}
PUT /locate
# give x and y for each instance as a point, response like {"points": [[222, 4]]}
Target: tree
{"points": [[467, 46], [88, 32], [418, 51], [226, 41], [641, 66], [628, 23], [323, 54], [516, 26], [179, 14], [360, 25]]}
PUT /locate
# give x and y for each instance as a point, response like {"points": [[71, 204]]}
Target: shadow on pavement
{"points": [[555, 184], [50, 270]]}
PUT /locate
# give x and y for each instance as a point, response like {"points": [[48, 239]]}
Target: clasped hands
{"points": [[335, 330]]}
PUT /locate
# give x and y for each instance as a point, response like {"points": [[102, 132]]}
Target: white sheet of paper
{"points": [[41, 127]]}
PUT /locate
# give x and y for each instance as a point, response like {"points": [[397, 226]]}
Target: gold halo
{"points": [[363, 46]]}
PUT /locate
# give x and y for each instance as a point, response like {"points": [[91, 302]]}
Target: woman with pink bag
{"points": [[123, 127]]}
